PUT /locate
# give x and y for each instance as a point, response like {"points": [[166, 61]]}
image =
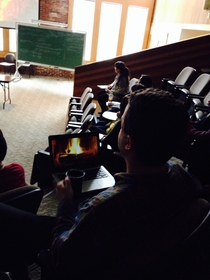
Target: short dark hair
{"points": [[157, 123], [3, 146], [146, 80]]}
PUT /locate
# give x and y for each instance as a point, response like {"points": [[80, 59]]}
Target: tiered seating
{"points": [[183, 79], [81, 119], [196, 92], [81, 112], [76, 99]]}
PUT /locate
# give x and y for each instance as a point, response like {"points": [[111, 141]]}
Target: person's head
{"points": [[120, 68], [3, 147], [145, 80], [137, 88], [155, 123]]}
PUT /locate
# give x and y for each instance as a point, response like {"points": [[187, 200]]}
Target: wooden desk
{"points": [[4, 82]]}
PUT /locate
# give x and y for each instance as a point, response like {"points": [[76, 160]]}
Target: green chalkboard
{"points": [[42, 45]]}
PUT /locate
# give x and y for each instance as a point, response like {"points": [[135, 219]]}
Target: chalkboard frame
{"points": [[35, 51]]}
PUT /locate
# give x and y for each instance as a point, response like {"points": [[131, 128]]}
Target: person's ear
{"points": [[128, 143]]}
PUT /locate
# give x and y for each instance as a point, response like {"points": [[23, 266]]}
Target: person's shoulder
{"points": [[184, 177], [176, 170], [14, 166], [123, 181]]}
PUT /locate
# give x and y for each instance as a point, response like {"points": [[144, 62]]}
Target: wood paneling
{"points": [[180, 11], [165, 61]]}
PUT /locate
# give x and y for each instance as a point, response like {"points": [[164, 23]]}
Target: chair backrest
{"points": [[201, 85], [84, 127], [184, 79], [132, 82], [87, 100], [199, 114], [85, 92], [9, 57], [41, 169], [90, 110], [26, 198], [86, 123], [184, 76]]}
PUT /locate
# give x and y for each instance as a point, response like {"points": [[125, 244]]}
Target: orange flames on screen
{"points": [[74, 147]]}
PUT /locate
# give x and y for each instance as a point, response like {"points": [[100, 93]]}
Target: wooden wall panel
{"points": [[180, 11], [164, 61]]}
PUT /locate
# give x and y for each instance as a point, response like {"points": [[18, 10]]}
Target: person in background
{"points": [[194, 150], [12, 176], [144, 80], [90, 238], [119, 87], [105, 126]]}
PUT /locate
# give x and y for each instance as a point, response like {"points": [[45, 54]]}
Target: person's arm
{"points": [[20, 173], [112, 85], [66, 209], [200, 135], [121, 88], [73, 236]]}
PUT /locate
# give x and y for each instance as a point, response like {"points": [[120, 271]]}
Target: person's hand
{"points": [[119, 114], [64, 190]]}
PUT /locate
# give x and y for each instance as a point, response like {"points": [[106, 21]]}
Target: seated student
{"points": [[88, 239], [145, 80], [105, 126], [125, 99], [197, 157], [12, 176], [118, 88], [111, 128]]}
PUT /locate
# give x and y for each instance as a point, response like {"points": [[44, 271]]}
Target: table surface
{"points": [[6, 78], [112, 116]]}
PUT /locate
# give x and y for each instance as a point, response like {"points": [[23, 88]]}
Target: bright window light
{"points": [[136, 20], [1, 39], [83, 16], [12, 40], [108, 30]]}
